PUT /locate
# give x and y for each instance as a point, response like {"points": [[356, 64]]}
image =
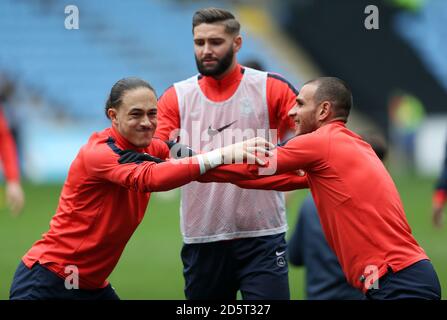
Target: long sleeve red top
{"points": [[101, 204], [359, 206]]}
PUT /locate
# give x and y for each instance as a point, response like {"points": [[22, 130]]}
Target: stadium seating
{"points": [[72, 71], [114, 39], [425, 31]]}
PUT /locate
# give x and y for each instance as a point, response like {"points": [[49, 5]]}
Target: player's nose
{"points": [[207, 50], [146, 122], [292, 112]]}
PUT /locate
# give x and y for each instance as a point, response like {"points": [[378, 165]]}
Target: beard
{"points": [[221, 66]]}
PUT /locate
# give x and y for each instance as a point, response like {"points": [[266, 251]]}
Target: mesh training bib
{"points": [[221, 211]]}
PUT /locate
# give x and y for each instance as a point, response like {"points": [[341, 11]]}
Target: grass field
{"points": [[150, 267]]}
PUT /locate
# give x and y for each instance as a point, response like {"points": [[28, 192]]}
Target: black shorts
{"points": [[39, 283], [418, 281], [255, 266]]}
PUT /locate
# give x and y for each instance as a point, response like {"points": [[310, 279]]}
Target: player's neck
{"points": [[333, 120], [342, 119], [122, 141]]}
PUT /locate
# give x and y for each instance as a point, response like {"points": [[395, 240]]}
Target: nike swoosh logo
{"points": [[280, 253], [213, 132]]}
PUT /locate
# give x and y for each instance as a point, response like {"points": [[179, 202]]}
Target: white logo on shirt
{"points": [[246, 108]]}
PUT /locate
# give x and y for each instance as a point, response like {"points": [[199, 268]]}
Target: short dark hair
{"points": [[213, 15], [336, 91], [120, 87]]}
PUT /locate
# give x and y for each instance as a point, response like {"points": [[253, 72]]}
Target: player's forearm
{"points": [[297, 154], [230, 173], [245, 176], [176, 173], [172, 174], [283, 182], [167, 175]]}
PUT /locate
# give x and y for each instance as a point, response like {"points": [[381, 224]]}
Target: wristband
{"points": [[201, 164], [215, 158]]}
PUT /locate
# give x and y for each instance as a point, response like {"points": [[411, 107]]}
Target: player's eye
{"points": [[216, 42]]}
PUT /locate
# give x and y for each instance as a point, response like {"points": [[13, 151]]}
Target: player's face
{"points": [[136, 118], [214, 49], [304, 113]]}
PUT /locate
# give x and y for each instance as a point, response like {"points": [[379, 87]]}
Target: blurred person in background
{"points": [[233, 238], [308, 247], [254, 64], [440, 196], [15, 198]]}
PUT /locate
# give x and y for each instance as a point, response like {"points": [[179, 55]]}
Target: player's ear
{"points": [[325, 110], [237, 43], [112, 112]]}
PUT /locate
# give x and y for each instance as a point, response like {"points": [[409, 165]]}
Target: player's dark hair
{"points": [[120, 87], [336, 91], [213, 15]]}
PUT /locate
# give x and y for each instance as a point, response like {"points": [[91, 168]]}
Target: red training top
{"points": [[101, 204], [359, 206]]}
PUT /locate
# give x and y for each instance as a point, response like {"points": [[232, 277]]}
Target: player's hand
{"points": [[15, 198], [250, 150], [437, 216]]}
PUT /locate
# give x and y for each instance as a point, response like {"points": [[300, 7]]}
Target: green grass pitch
{"points": [[150, 267]]}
